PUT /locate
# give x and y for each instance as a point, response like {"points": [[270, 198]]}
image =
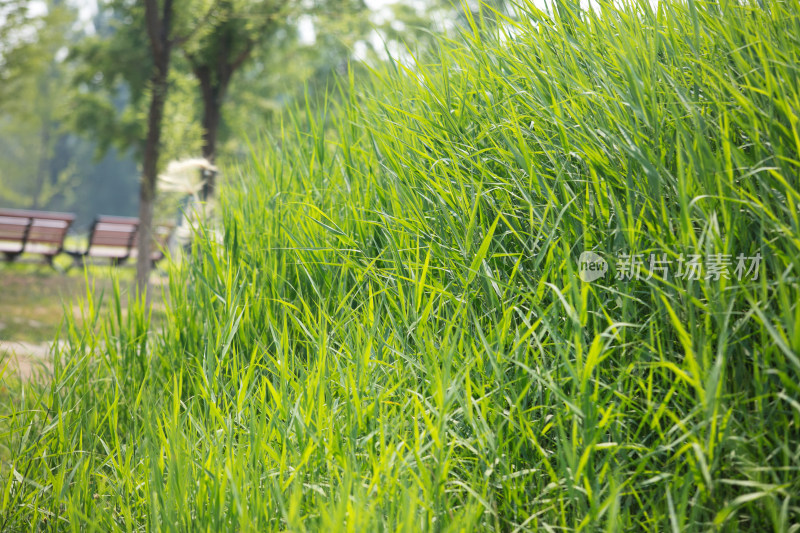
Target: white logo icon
{"points": [[591, 266]]}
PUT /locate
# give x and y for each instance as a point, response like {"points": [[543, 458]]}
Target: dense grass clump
{"points": [[392, 334]]}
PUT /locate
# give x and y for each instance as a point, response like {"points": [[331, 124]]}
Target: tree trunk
{"points": [[212, 109], [214, 75], [158, 29], [147, 190]]}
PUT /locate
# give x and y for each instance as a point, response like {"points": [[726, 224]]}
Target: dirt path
{"points": [[25, 359]]}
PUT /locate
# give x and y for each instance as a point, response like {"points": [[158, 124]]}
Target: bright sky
{"points": [[382, 12]]}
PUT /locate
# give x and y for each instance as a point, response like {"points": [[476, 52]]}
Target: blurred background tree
{"points": [[74, 87]]}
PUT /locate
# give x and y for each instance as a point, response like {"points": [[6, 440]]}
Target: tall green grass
{"points": [[392, 334]]}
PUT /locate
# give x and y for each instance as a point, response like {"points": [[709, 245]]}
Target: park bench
{"points": [[33, 232], [117, 238]]}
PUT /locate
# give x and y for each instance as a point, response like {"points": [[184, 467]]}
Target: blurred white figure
{"points": [[187, 178]]}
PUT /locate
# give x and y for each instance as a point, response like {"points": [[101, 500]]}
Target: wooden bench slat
{"points": [[42, 249], [13, 228], [10, 247], [12, 235], [36, 232], [109, 253], [131, 221], [116, 238], [42, 215], [46, 231]]}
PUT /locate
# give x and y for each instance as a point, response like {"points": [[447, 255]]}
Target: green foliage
{"points": [[261, 42], [18, 50], [113, 74], [390, 333], [43, 164]]}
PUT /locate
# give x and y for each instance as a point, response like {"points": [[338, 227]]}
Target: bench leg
{"points": [[77, 260], [11, 256]]}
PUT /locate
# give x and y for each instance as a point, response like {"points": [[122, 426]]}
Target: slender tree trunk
{"points": [[158, 28], [212, 112], [147, 190], [214, 75]]}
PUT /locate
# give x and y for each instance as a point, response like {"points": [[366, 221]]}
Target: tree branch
{"points": [[181, 40], [242, 57]]}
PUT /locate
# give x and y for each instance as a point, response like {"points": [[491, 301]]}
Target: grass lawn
{"points": [[35, 297]]}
